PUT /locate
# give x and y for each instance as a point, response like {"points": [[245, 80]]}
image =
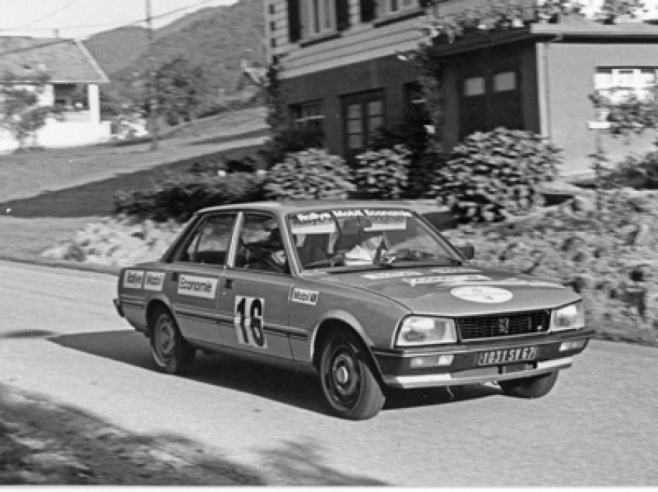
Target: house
{"points": [[342, 69], [73, 79]]}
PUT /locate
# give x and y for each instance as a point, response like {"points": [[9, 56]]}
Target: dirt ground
{"points": [[44, 444]]}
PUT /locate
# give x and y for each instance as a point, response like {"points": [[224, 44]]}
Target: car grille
{"points": [[504, 325]]}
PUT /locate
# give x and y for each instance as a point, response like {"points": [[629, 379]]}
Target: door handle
{"points": [[174, 277], [228, 283]]}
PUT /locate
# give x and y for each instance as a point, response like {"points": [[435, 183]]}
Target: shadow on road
{"points": [[284, 385]]}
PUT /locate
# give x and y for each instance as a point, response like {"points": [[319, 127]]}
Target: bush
{"points": [[639, 173], [292, 140], [310, 174], [182, 195], [494, 175], [382, 174]]}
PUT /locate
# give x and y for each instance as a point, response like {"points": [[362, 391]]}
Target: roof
{"points": [[571, 27], [64, 60]]}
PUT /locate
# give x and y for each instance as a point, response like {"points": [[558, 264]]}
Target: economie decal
{"points": [[133, 279], [192, 286]]}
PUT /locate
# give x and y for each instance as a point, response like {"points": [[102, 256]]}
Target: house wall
{"points": [[570, 69], [388, 74], [72, 128], [359, 43], [521, 56]]}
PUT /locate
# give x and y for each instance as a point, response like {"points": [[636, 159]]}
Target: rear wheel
{"points": [[169, 350], [534, 387], [348, 381]]}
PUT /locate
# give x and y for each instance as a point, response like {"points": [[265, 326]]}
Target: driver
{"points": [[365, 252]]}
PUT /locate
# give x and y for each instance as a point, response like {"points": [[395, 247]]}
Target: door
{"points": [[256, 288], [194, 279]]}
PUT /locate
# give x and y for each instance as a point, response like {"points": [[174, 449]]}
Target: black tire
{"points": [[169, 350], [534, 387], [348, 381]]}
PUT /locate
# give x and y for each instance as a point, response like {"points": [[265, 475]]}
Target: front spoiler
{"points": [[554, 352], [474, 376]]}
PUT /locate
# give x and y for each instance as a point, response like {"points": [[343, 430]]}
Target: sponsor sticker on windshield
{"points": [[485, 295], [450, 279]]}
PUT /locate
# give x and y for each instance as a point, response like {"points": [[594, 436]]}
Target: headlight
{"points": [[417, 330], [571, 317]]}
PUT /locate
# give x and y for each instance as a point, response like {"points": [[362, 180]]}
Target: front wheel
{"points": [[534, 387], [169, 350], [348, 382]]}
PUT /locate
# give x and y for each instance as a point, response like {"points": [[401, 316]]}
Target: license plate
{"points": [[505, 356]]}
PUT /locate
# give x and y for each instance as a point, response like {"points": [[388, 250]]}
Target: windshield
{"points": [[361, 238]]}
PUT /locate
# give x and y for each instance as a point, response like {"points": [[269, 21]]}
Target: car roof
{"points": [[286, 207]]}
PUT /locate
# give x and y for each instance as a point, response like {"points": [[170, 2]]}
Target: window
{"points": [[490, 101], [318, 17], [309, 115], [619, 83], [308, 19], [363, 116], [210, 241], [261, 245], [393, 7]]}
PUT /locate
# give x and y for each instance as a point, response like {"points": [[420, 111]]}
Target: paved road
{"points": [[60, 338]]}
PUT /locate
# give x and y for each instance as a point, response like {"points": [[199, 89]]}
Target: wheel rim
{"points": [[343, 376], [165, 339]]}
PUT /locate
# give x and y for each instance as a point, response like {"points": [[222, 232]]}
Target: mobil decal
{"points": [[302, 296], [133, 279], [193, 286], [154, 281]]}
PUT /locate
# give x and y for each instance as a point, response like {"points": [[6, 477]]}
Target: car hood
{"points": [[458, 290]]}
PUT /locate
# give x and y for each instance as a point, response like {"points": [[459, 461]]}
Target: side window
{"points": [[260, 245], [209, 243]]}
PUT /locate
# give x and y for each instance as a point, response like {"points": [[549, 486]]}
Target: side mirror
{"points": [[467, 251]]}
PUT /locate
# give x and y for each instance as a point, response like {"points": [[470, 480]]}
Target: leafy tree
{"points": [[21, 113], [182, 89]]}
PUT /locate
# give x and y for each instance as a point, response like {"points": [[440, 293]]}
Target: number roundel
{"points": [[249, 314]]}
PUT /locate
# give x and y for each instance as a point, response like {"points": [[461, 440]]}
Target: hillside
{"points": [[215, 38]]}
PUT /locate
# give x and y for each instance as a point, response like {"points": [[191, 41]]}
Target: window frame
{"points": [[323, 13], [616, 92], [193, 235], [307, 121]]}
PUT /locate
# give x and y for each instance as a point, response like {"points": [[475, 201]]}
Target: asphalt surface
{"points": [[63, 345]]}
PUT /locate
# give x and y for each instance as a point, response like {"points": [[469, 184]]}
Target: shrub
{"points": [[637, 172], [292, 140], [182, 195], [310, 174], [491, 176], [382, 174]]}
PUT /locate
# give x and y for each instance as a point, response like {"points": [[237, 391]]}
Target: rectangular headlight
{"points": [[418, 331], [571, 317]]}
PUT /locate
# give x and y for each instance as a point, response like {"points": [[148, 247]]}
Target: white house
{"points": [[73, 87]]}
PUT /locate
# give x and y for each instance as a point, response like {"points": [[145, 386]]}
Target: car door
{"points": [[256, 288], [194, 278]]}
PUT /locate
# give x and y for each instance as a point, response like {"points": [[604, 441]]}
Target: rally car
{"points": [[368, 295]]}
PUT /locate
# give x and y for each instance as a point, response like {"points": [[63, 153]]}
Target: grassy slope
{"points": [[47, 195]]}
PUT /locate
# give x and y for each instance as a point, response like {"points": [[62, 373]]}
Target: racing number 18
{"points": [[249, 321]]}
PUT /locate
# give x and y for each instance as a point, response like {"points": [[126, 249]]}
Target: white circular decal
{"points": [[487, 295]]}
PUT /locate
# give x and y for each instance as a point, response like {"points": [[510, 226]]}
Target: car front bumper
{"points": [[480, 362]]}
